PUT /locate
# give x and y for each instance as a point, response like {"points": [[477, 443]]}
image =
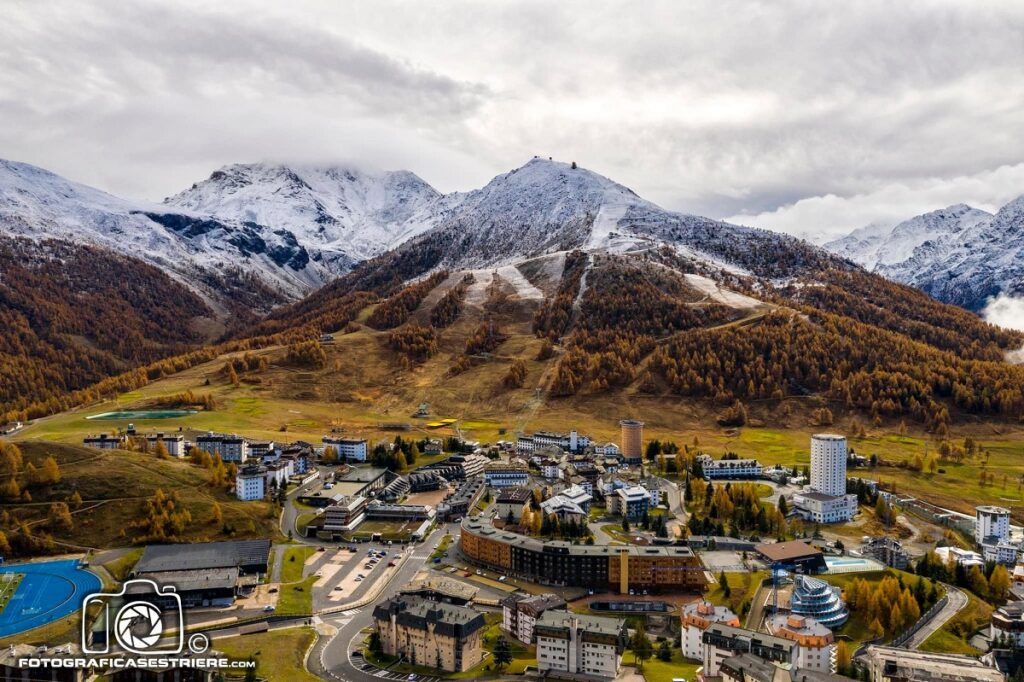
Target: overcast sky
{"points": [[814, 118]]}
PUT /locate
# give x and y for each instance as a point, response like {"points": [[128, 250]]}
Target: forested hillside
{"points": [[73, 315]]}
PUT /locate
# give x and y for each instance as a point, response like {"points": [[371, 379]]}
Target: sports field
{"points": [[47, 592]]}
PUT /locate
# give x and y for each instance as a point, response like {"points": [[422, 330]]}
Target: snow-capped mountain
{"points": [[547, 206], [295, 228], [340, 215], [958, 254], [982, 261], [879, 245]]}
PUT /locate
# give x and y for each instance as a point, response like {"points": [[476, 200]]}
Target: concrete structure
{"points": [[173, 443], [723, 641], [828, 464], [230, 448], [345, 515], [963, 557], [520, 613], [794, 553], [992, 534], [819, 600], [729, 469], [888, 551], [10, 671], [511, 502], [573, 644], [668, 568], [632, 440], [632, 502], [505, 474], [104, 441], [697, 617], [572, 441], [431, 634], [251, 483], [816, 649], [348, 449], [889, 664], [458, 503], [822, 508], [1007, 628]]}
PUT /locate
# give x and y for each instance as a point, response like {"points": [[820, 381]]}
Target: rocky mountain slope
{"points": [[960, 255]]}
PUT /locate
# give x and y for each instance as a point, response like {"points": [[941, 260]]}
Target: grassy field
{"points": [[665, 671], [8, 587], [116, 485], [742, 587], [296, 599], [121, 566], [359, 389], [279, 655], [293, 563]]}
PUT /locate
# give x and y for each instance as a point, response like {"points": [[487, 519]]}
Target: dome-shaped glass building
{"points": [[816, 598]]}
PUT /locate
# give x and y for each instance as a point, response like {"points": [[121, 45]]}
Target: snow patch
{"points": [[728, 297], [524, 289]]}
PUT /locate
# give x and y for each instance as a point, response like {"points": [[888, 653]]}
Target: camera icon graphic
{"points": [[141, 617]]}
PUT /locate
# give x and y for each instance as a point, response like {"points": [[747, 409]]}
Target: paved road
{"points": [[330, 657], [957, 601]]}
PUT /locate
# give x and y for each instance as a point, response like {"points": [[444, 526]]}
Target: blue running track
{"points": [[49, 591]]}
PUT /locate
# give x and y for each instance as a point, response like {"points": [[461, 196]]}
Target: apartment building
{"points": [[432, 634], [173, 443], [697, 617], [520, 613], [347, 449], [573, 644], [229, 448], [251, 483]]}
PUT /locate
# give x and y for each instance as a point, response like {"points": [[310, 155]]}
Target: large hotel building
{"points": [[622, 568]]}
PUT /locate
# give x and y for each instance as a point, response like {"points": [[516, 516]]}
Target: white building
{"points": [[820, 508], [250, 483], [520, 613], [607, 450], [174, 444], [816, 649], [549, 468], [228, 448], [697, 617], [963, 557], [104, 441], [572, 441], [729, 469], [506, 474], [348, 449], [1001, 552], [828, 464], [991, 525], [574, 644]]}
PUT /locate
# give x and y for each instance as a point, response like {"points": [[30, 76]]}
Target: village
{"points": [[556, 556]]}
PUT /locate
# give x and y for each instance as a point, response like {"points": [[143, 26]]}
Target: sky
{"points": [[813, 118]]}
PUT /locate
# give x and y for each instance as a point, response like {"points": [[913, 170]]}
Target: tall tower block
{"points": [[632, 440]]}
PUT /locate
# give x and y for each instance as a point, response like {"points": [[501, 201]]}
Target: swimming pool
{"points": [[846, 564], [49, 591], [143, 414]]}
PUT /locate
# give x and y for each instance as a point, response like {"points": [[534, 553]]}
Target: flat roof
{"points": [[203, 555], [780, 551]]}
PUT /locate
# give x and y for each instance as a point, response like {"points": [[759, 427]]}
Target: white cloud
{"points": [[1006, 311], [824, 217], [724, 108]]}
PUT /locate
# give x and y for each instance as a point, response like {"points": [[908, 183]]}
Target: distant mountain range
{"points": [[636, 298], [959, 254]]}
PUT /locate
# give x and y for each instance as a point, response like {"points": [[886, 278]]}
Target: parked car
{"points": [[268, 609]]}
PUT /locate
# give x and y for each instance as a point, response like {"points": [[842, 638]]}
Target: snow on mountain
{"points": [[877, 246], [38, 204], [341, 215], [958, 254], [548, 206], [968, 268]]}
